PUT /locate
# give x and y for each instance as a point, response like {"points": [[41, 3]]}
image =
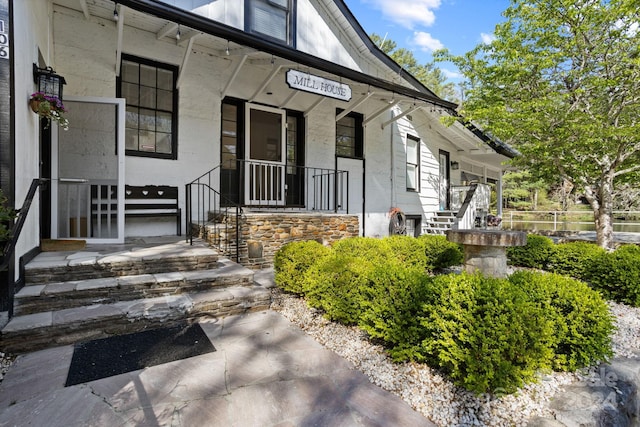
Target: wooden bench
{"points": [[153, 201], [139, 201]]}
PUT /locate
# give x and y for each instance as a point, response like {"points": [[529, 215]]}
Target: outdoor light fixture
{"points": [[49, 83], [115, 12], [227, 51], [455, 166], [178, 34]]}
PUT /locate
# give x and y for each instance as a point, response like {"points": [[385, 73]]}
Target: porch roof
{"points": [[245, 49]]}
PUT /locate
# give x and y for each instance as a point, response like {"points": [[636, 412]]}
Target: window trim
{"points": [[359, 135], [291, 23], [417, 164], [174, 114]]}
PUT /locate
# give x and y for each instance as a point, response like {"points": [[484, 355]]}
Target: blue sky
{"points": [[426, 25]]}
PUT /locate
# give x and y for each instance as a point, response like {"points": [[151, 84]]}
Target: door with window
{"points": [[265, 144], [87, 191]]}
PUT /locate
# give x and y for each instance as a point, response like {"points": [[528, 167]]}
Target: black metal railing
{"points": [[274, 185], [213, 216], [7, 289]]}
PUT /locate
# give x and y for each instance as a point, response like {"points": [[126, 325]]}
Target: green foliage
{"points": [[6, 218], [391, 305], [617, 275], [535, 254], [440, 252], [572, 258], [293, 260], [521, 191], [581, 320], [559, 83], [487, 334], [408, 250]]}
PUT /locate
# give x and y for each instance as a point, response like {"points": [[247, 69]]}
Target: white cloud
{"points": [[451, 74], [408, 13], [426, 42], [487, 38]]}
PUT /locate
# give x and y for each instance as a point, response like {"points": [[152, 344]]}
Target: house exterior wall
{"points": [[31, 25]]}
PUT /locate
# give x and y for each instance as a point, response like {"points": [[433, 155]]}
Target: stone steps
{"points": [[75, 296], [61, 295], [53, 328]]}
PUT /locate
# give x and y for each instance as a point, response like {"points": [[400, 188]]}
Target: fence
{"points": [[623, 221]]}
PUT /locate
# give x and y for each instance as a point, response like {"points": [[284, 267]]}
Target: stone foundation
{"points": [[262, 234]]}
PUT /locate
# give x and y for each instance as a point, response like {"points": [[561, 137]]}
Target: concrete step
{"points": [[58, 267], [76, 293], [31, 332]]}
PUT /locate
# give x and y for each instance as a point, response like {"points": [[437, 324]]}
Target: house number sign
{"points": [[319, 85], [4, 42]]}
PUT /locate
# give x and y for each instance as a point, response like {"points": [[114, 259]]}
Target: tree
{"points": [[428, 74], [561, 82]]}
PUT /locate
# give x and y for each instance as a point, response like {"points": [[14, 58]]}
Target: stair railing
{"points": [[215, 217], [7, 290], [474, 209]]}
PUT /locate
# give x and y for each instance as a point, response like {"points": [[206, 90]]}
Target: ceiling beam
{"points": [[289, 98], [170, 27], [266, 81], [380, 111], [233, 76], [185, 59], [85, 9], [354, 106], [121, 13], [314, 106], [401, 115], [184, 38]]}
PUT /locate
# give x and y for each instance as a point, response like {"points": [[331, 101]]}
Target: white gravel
{"points": [[430, 393]]}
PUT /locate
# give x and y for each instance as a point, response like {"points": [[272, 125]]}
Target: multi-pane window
{"points": [[413, 163], [349, 136], [151, 120], [270, 18], [229, 135]]}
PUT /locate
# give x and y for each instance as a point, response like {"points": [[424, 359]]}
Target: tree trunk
{"points": [[600, 198]]}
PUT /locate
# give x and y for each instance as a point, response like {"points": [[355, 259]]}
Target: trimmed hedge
{"points": [[617, 275], [293, 260], [489, 335], [535, 254], [573, 258]]}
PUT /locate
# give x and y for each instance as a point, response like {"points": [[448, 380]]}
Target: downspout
{"points": [[393, 166]]}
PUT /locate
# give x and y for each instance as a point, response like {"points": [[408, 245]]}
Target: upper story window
{"points": [[273, 19], [152, 107], [349, 136]]}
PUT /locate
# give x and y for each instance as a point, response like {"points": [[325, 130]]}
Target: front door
{"points": [[265, 133], [88, 171]]}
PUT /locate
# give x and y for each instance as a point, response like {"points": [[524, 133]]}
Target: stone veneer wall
{"points": [[264, 233]]}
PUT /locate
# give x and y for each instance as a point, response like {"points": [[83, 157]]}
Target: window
{"points": [[349, 136], [413, 163], [152, 98], [272, 19]]}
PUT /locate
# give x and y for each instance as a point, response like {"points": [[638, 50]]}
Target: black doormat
{"points": [[101, 358]]}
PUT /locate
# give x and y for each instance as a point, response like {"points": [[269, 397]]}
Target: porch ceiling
{"points": [[371, 96]]}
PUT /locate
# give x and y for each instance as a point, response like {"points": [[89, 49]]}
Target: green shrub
{"points": [[572, 258], [617, 275], [333, 284], [293, 260], [486, 333], [581, 318], [440, 252], [408, 250], [391, 305], [535, 254]]}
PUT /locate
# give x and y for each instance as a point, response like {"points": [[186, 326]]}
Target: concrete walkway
{"points": [[265, 372]]}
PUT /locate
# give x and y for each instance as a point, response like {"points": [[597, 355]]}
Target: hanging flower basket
{"points": [[50, 108]]}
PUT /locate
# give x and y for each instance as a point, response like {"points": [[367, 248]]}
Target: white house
{"points": [[282, 107]]}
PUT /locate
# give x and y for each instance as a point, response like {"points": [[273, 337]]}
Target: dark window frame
{"points": [[358, 146], [291, 21], [417, 164], [174, 113]]}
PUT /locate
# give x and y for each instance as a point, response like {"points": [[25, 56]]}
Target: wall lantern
{"points": [[48, 81], [455, 166]]}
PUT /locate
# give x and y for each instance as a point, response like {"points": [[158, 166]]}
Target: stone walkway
{"points": [[265, 372]]}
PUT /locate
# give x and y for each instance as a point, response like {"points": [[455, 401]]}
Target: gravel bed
{"points": [[429, 392]]}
